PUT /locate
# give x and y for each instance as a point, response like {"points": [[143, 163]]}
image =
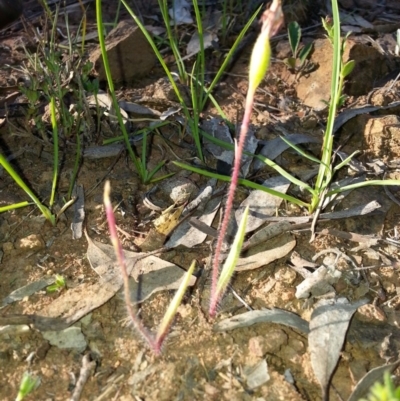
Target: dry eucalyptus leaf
{"points": [[328, 326], [266, 233], [318, 282], [193, 47], [360, 210], [266, 253], [364, 385], [27, 290], [261, 203], [219, 130], [152, 273], [277, 316], [189, 236], [77, 302], [348, 114]]}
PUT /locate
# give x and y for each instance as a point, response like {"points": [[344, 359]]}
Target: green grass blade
{"points": [[155, 49], [196, 91], [55, 150], [294, 33], [265, 160], [243, 182], [173, 306], [346, 161], [365, 184], [107, 70], [300, 151], [234, 253], [10, 170], [325, 175], [14, 206], [232, 50]]}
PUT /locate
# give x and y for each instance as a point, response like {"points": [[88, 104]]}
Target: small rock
{"points": [[285, 275], [210, 390], [42, 350], [8, 247], [176, 189], [371, 314], [371, 65], [270, 343], [32, 242], [256, 375], [297, 345], [70, 338], [129, 54]]}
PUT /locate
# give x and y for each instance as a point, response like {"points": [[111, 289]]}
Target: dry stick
{"points": [[84, 374]]}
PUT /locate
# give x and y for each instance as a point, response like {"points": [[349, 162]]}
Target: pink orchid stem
{"points": [[119, 252], [272, 20], [229, 203]]}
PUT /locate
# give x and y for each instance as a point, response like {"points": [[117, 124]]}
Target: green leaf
{"points": [[290, 62], [294, 32], [346, 161], [234, 253], [364, 184], [348, 68], [305, 52]]}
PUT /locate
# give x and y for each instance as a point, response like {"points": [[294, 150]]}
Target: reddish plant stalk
{"points": [[272, 20], [149, 338], [229, 203]]}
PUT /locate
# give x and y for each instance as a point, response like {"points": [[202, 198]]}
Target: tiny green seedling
{"points": [[58, 286], [299, 60], [384, 392], [28, 384]]}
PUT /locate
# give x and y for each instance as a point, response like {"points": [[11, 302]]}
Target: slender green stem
{"points": [[100, 29], [242, 181], [265, 160], [324, 176], [10, 170], [229, 56], [13, 206], [55, 150]]}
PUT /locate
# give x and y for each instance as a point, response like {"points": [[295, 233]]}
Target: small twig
{"points": [[84, 374]]}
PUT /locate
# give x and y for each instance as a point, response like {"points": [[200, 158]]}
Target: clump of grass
{"points": [[51, 74], [194, 78], [321, 189]]}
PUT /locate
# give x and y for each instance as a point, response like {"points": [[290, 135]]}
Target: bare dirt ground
{"points": [[197, 362]]}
